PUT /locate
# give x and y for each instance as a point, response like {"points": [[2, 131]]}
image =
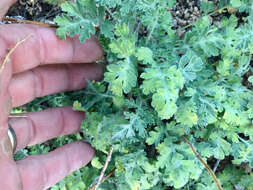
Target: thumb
{"points": [[6, 147], [10, 178], [4, 6]]}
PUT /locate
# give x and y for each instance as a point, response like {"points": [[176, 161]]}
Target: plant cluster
{"points": [[159, 88]]}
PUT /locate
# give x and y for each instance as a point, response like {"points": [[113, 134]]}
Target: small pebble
{"points": [[195, 14], [187, 15], [173, 13], [180, 33], [180, 1], [174, 22], [185, 12], [181, 22]]}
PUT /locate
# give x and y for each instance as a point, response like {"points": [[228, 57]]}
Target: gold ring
{"points": [[13, 138]]}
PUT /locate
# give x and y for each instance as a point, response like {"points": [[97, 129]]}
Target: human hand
{"points": [[38, 67]]}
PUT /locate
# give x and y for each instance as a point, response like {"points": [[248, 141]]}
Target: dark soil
{"points": [[217, 166], [37, 11], [245, 80], [246, 76], [184, 13]]}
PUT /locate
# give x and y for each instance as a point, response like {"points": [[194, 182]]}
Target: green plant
{"points": [[158, 88]]}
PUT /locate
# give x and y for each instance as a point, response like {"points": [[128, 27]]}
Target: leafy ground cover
{"points": [[175, 107]]}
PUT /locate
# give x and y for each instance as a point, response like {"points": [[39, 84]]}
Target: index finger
{"points": [[4, 6], [44, 47]]}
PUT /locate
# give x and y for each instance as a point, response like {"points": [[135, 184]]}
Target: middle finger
{"points": [[50, 79]]}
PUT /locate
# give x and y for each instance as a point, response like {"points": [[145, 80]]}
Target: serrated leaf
{"points": [[216, 146], [78, 20], [243, 152], [96, 163], [121, 76], [106, 28], [186, 114], [179, 162], [109, 3], [124, 46], [155, 136], [190, 65], [224, 67], [124, 131], [236, 3], [211, 44], [144, 54], [77, 106], [111, 129], [137, 123], [164, 84]]}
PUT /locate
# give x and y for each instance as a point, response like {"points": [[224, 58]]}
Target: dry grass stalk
{"points": [[100, 180], [104, 179], [210, 171], [6, 59], [21, 21]]}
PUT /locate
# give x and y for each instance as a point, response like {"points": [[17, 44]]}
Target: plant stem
{"points": [[14, 20], [216, 166], [204, 163], [104, 168], [106, 177]]}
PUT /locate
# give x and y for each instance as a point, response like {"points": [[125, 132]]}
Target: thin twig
{"points": [[104, 168], [21, 21], [204, 163], [12, 50], [216, 166], [104, 179]]}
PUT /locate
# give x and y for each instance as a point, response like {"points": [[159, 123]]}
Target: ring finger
{"points": [[37, 127]]}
